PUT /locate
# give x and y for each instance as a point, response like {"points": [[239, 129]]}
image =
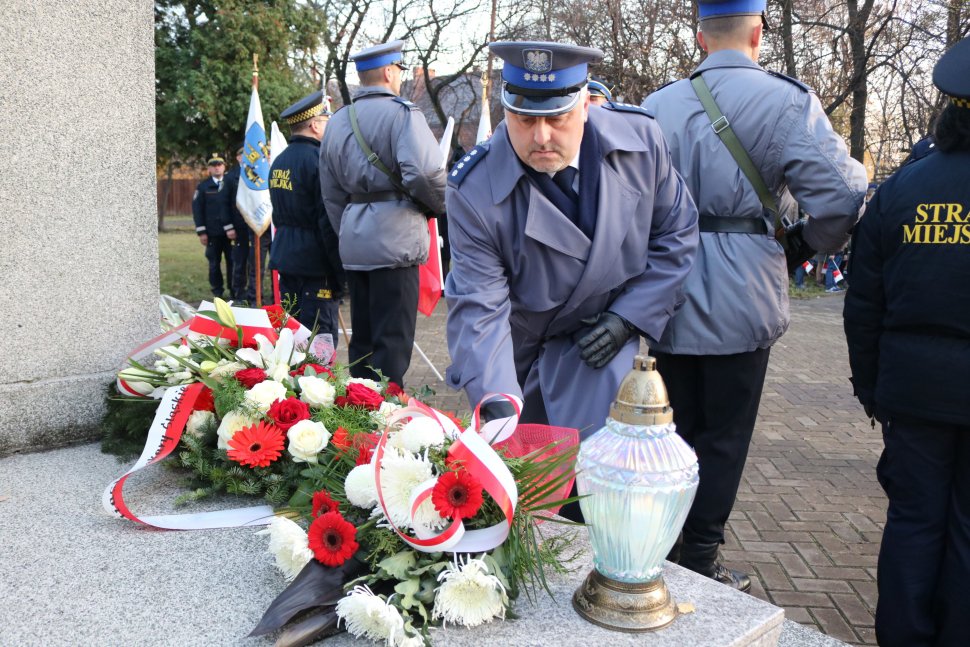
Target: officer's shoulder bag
{"points": [[395, 179], [722, 127]]}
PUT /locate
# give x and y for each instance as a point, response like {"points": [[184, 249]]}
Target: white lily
{"points": [[270, 357]]}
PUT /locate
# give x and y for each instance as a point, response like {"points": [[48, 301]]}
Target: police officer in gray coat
{"points": [[571, 235], [380, 217], [714, 354]]}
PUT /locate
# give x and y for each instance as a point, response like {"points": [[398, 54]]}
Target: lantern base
{"points": [[621, 606]]}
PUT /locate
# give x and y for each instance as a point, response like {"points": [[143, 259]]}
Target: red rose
{"points": [[288, 412], [250, 377], [359, 395], [394, 390], [204, 401], [318, 369]]}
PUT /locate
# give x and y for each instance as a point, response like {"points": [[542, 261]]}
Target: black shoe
{"points": [[703, 559], [734, 579]]}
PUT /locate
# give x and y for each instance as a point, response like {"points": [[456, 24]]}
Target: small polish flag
{"points": [[807, 266], [836, 274]]}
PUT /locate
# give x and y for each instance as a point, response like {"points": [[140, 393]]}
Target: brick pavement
{"points": [[809, 515]]}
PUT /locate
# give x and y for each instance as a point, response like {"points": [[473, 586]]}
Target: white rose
{"points": [[264, 394], [316, 391], [198, 421], [420, 433], [233, 422], [307, 439], [383, 415], [221, 372], [370, 384], [360, 487]]}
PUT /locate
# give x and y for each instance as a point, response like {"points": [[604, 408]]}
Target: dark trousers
{"points": [[217, 247], [264, 280], [240, 263], [383, 314], [715, 400], [924, 560], [315, 305]]}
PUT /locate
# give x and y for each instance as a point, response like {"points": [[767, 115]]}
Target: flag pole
{"points": [[256, 257]]}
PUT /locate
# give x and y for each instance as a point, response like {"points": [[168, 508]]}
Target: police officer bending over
{"points": [[305, 248], [571, 236], [212, 213], [907, 321], [381, 173], [732, 114]]}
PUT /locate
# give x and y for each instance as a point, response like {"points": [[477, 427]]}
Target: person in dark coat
{"points": [[214, 224], [305, 250], [240, 247], [907, 323]]}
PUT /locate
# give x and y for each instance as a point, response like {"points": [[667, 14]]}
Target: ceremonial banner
{"points": [[277, 144], [430, 283], [484, 123], [252, 198]]}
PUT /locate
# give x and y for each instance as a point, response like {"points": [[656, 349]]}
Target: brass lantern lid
{"points": [[642, 396]]}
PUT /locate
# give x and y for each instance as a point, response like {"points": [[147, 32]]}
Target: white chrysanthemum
{"points": [[264, 394], [228, 369], [468, 595], [409, 641], [316, 391], [198, 421], [360, 488], [365, 614], [401, 473], [289, 545], [233, 422], [419, 434], [370, 384]]}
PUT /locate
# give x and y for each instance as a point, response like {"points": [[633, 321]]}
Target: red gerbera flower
{"points": [[257, 445], [332, 539], [340, 439], [204, 401], [364, 455], [322, 501], [394, 389], [457, 495]]}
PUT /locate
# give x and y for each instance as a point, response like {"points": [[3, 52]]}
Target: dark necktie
{"points": [[564, 180]]}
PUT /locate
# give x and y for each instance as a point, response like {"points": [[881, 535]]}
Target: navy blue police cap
{"points": [[215, 158], [952, 74], [543, 79], [599, 87], [312, 105], [725, 8], [377, 56]]}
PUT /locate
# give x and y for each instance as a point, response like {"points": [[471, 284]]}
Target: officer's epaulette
{"points": [[627, 107], [779, 75], [405, 102], [465, 164]]}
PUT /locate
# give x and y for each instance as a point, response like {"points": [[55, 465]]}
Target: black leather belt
{"points": [[376, 196], [733, 225]]}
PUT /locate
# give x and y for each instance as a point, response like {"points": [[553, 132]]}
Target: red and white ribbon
{"points": [[163, 437], [473, 449]]}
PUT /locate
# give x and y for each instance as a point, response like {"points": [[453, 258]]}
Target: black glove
{"points": [[496, 409], [797, 251], [599, 344]]}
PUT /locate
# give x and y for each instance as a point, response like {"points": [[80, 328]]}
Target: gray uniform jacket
{"points": [[391, 233], [737, 292], [523, 275]]}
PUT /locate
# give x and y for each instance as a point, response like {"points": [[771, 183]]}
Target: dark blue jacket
{"points": [[231, 186], [305, 242], [210, 208], [907, 311]]}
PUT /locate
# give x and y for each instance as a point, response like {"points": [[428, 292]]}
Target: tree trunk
{"points": [[786, 38], [860, 77]]}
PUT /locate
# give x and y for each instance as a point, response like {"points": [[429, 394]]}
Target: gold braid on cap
{"points": [[960, 103], [306, 114]]}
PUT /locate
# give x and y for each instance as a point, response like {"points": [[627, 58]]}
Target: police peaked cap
{"points": [[725, 8], [216, 158], [543, 79], [312, 105], [371, 58], [952, 74], [599, 86]]}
